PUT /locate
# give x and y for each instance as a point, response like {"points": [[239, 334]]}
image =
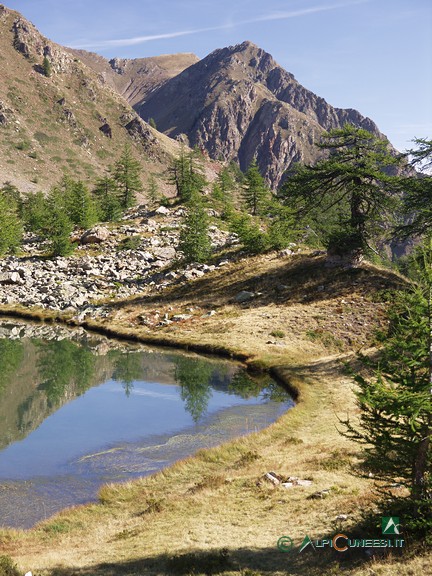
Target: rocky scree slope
{"points": [[99, 271]]}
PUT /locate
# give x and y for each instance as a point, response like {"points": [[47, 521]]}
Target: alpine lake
{"points": [[78, 410]]}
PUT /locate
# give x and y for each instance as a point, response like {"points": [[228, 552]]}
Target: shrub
{"points": [[7, 567], [130, 243]]}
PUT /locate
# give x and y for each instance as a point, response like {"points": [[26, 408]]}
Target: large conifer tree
{"points": [[352, 186]]}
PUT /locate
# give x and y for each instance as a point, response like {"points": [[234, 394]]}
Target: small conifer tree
{"points": [[152, 189], [46, 65], [58, 226], [255, 191], [10, 227], [194, 237], [186, 174], [395, 400], [81, 207], [108, 203], [126, 174], [34, 211]]}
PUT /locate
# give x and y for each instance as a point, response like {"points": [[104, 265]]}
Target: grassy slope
{"points": [[218, 499], [39, 144]]}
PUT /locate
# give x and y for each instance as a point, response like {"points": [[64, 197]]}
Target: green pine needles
{"points": [[395, 399], [348, 193], [194, 237], [11, 229]]}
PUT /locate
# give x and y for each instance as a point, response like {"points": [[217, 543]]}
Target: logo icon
{"points": [[305, 543], [390, 525], [285, 543]]}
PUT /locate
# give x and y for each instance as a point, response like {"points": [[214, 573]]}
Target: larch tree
{"points": [[352, 187], [256, 193], [126, 173]]}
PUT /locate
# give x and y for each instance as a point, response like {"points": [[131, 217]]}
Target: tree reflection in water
{"points": [[11, 354], [63, 364]]}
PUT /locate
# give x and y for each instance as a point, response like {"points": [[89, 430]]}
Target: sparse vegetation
{"points": [[277, 333], [8, 567], [130, 243]]}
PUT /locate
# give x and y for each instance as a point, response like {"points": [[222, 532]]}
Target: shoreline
{"points": [[126, 335]]}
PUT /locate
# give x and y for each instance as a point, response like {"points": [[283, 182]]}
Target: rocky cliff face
{"points": [[238, 103]]}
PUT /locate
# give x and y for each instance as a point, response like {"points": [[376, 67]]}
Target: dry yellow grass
{"points": [[180, 520]]}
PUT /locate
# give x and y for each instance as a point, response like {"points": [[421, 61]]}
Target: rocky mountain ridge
{"points": [[135, 79], [238, 103]]}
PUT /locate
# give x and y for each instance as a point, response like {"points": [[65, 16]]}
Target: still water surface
{"points": [[78, 410]]}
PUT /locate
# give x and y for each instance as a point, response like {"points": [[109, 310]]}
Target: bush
{"points": [[278, 334], [212, 562], [344, 242], [7, 567], [130, 243], [253, 239]]}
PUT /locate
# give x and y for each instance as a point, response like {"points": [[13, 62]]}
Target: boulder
{"points": [[95, 235], [164, 252], [10, 278], [162, 210], [244, 296], [106, 130]]}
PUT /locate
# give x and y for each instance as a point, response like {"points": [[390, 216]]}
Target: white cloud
{"points": [[138, 39], [303, 12]]}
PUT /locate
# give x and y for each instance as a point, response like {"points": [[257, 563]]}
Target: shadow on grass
{"points": [[301, 279], [241, 562]]}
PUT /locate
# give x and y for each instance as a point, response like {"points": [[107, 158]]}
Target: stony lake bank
{"points": [[218, 512]]}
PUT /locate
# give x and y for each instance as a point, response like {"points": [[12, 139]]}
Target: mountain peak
{"points": [[246, 45], [239, 104]]}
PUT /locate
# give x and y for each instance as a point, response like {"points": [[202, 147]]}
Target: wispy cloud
{"points": [[280, 15], [140, 39]]}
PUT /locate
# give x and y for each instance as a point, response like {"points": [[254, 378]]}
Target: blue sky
{"points": [[371, 55]]}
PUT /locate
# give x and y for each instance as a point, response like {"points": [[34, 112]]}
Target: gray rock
{"points": [[181, 317], [162, 210], [209, 314], [164, 253], [95, 235], [244, 296], [10, 278]]}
